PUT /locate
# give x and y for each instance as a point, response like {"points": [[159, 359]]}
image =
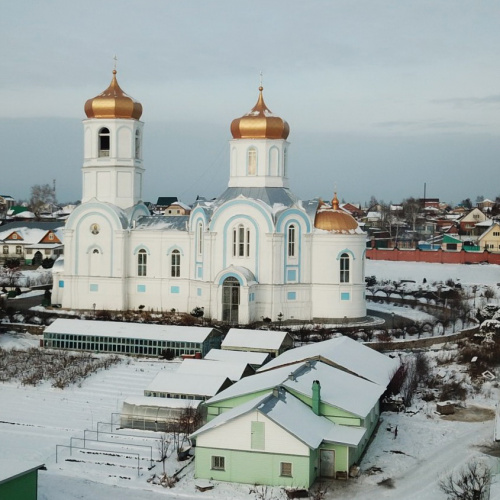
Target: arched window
{"points": [[175, 264], [142, 260], [241, 241], [252, 161], [291, 241], [104, 141], [200, 238], [344, 268], [137, 145], [285, 162], [95, 251]]}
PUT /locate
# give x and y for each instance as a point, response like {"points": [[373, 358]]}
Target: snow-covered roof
{"points": [[254, 339], [232, 370], [31, 233], [187, 383], [185, 206], [163, 222], [338, 388], [345, 353], [162, 402], [11, 468], [130, 330], [252, 358], [268, 195], [256, 383], [485, 223], [295, 417]]}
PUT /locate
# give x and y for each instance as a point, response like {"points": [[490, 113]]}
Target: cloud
{"points": [[464, 102], [419, 125]]}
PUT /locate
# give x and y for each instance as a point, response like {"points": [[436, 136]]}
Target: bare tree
{"points": [[163, 449], [42, 196], [411, 209], [471, 482], [10, 276]]}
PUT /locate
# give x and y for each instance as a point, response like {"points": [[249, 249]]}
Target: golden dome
{"points": [[260, 123], [333, 219], [113, 103]]}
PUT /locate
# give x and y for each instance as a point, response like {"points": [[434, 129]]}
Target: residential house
{"points": [[177, 208], [490, 239], [31, 242], [469, 221], [309, 413], [164, 202], [486, 205]]}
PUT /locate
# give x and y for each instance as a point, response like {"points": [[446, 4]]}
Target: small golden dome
{"points": [[113, 103], [333, 219], [260, 123]]}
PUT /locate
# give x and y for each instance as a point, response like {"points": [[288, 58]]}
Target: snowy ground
{"points": [[476, 274], [34, 420]]}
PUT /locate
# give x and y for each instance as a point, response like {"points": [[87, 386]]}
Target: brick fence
{"points": [[436, 256]]}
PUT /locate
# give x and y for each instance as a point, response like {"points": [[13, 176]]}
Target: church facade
{"points": [[255, 252]]}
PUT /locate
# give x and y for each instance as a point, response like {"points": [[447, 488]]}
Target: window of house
{"points": [[252, 161], [241, 241], [46, 252], [104, 141], [218, 463], [19, 250], [5, 249], [344, 268], [51, 236], [286, 469], [142, 258], [496, 233], [175, 267], [291, 241]]}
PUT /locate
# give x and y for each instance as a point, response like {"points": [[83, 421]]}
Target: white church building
{"points": [[254, 252]]}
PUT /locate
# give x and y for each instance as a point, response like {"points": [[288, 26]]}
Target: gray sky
{"points": [[380, 96]]}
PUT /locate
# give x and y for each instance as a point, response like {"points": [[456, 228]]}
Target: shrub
{"points": [[453, 390]]}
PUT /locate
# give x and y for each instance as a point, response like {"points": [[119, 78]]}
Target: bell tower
{"points": [[259, 149], [112, 167]]}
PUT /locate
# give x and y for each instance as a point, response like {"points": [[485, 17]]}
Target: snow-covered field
{"points": [[476, 274], [34, 420]]}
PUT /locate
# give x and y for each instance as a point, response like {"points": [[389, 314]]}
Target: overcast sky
{"points": [[381, 97]]}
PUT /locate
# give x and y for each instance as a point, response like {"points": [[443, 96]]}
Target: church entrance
{"points": [[230, 300]]}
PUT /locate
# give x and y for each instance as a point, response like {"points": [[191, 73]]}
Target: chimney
{"points": [[316, 396]]}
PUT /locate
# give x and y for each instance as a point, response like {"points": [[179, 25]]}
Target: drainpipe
{"points": [[316, 396]]}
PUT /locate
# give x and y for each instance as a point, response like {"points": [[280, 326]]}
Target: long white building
{"points": [[256, 251]]}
